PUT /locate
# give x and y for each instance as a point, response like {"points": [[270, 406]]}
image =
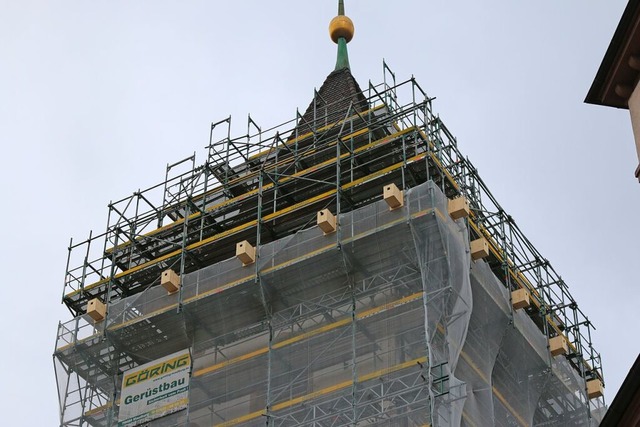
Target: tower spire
{"points": [[341, 30]]}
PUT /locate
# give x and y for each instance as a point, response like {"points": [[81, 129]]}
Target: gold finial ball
{"points": [[341, 26]]}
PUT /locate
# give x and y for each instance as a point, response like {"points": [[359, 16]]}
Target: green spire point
{"points": [[341, 31], [343, 55]]}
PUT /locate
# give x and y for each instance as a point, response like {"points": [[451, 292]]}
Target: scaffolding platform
{"points": [[386, 321]]}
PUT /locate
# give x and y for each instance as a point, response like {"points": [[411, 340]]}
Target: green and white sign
{"points": [[155, 389]]}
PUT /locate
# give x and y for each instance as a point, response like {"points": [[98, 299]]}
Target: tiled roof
{"points": [[332, 101]]}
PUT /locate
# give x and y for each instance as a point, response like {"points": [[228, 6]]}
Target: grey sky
{"points": [[96, 97]]}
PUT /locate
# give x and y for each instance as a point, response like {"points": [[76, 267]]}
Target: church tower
{"points": [[346, 268]]}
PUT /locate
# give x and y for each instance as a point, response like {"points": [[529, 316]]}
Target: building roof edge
{"points": [[599, 93]]}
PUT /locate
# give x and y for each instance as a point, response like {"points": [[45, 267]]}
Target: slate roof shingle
{"points": [[332, 102]]}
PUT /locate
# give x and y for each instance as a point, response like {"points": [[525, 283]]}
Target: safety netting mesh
{"points": [[385, 322]]}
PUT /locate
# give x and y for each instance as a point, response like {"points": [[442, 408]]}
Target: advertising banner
{"points": [[155, 389]]}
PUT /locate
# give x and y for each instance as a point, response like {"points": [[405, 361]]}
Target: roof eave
{"points": [[627, 399], [616, 78]]}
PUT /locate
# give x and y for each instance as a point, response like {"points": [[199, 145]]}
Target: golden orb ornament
{"points": [[341, 26]]}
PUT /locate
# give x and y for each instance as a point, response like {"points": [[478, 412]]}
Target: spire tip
{"points": [[341, 30]]}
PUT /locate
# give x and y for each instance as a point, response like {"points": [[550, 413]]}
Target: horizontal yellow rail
{"points": [[516, 275], [98, 410], [522, 281], [496, 392], [304, 136], [309, 334], [344, 384], [493, 247], [250, 224], [293, 141], [325, 391], [268, 186], [340, 386], [249, 277]]}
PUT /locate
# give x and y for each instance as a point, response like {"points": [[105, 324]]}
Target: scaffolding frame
{"points": [[267, 185]]}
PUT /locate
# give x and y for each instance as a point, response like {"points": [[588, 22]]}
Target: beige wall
{"points": [[634, 109]]}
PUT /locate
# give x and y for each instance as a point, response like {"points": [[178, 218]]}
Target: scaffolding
{"points": [[387, 321]]}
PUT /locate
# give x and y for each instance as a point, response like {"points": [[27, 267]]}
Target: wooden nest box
{"points": [[459, 208], [170, 281], [326, 221], [393, 196], [520, 298], [479, 249], [97, 310], [245, 253], [558, 345]]}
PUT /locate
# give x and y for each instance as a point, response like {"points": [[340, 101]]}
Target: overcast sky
{"points": [[96, 97]]}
